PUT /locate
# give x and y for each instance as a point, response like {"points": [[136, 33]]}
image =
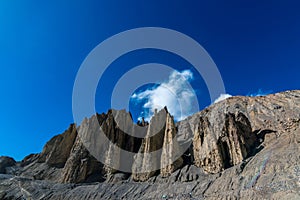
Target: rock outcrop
{"points": [[6, 162], [81, 166], [159, 150], [171, 158], [239, 148], [57, 150], [219, 146], [147, 161]]}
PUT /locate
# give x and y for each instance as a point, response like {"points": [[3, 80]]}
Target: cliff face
{"points": [[57, 150], [144, 161], [159, 139], [223, 145], [171, 159], [242, 147], [228, 132]]}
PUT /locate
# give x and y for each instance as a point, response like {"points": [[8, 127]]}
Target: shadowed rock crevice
{"points": [[223, 147], [259, 144]]}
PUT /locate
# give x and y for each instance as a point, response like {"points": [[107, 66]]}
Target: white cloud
{"points": [[175, 93], [222, 97]]}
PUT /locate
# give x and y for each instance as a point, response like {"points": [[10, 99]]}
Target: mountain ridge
{"points": [[233, 151]]}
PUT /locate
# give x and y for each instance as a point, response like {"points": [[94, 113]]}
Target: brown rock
{"points": [[57, 150], [248, 145], [149, 155], [171, 158], [160, 151], [81, 166], [118, 129]]}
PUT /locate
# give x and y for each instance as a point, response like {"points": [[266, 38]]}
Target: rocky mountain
{"points": [[239, 148]]}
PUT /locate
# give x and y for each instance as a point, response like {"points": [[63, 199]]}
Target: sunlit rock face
{"points": [[161, 138], [147, 161], [228, 132], [219, 146], [89, 145], [171, 158], [81, 166]]}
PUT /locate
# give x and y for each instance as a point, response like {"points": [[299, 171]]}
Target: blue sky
{"points": [[255, 45]]}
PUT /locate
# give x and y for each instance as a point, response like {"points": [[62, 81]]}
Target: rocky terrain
{"points": [[239, 148]]}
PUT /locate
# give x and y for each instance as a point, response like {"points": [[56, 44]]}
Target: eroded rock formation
{"points": [[223, 145], [160, 151], [240, 148], [57, 150], [171, 158]]}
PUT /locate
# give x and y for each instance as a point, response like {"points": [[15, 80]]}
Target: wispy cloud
{"points": [[260, 92], [222, 97], [175, 93]]}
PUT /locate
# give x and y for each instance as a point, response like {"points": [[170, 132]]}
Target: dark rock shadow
{"points": [[260, 135]]}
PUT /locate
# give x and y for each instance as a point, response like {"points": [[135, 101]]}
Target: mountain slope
{"points": [[242, 147]]}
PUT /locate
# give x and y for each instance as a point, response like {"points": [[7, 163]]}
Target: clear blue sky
{"points": [[255, 44]]}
